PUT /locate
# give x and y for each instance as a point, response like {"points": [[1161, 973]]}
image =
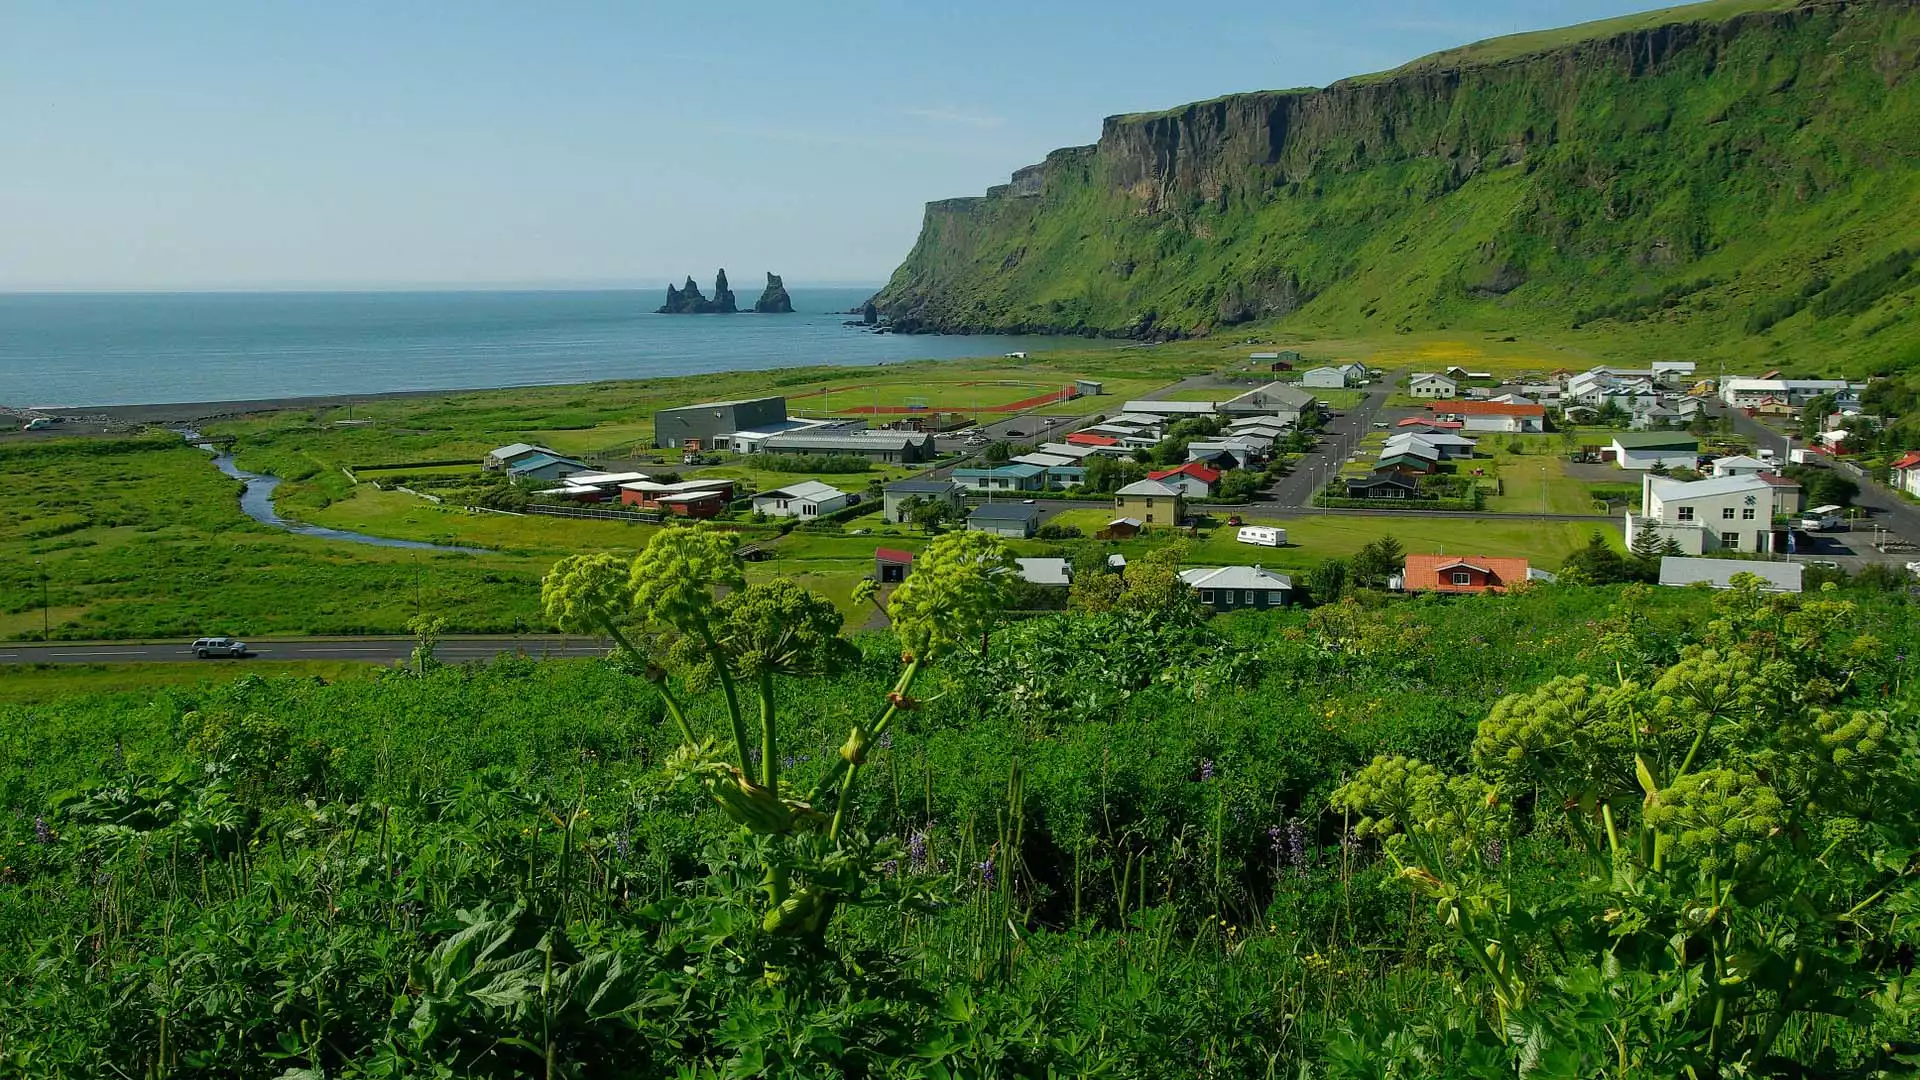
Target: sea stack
{"points": [[774, 300], [687, 299]]}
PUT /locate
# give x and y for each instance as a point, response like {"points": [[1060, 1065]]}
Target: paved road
{"points": [[372, 650], [1339, 439]]}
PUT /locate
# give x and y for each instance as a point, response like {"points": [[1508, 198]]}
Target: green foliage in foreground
{"points": [[1122, 850]]}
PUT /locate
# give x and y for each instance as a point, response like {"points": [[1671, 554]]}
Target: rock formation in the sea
{"points": [[688, 300], [774, 300]]}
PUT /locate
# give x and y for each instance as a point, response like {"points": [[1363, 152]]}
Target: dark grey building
{"points": [[897, 494], [673, 427]]}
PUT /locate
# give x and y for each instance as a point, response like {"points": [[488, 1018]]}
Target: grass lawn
{"points": [[1312, 538], [29, 684], [406, 517]]}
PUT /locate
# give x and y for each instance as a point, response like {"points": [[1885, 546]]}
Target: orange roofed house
{"points": [[1467, 574]]}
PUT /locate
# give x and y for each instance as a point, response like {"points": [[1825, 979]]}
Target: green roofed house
{"points": [[1642, 450]]}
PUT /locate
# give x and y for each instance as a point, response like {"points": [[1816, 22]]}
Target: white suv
{"points": [[210, 647]]}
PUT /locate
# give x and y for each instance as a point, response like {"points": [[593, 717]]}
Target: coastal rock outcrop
{"points": [[774, 299], [689, 300]]}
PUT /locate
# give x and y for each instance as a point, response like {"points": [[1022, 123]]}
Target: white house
{"points": [[1053, 573], [1433, 386], [1643, 450], [1905, 473], [1439, 446], [808, 498], [1325, 378], [1730, 513], [1748, 393], [1357, 374], [1741, 465]]}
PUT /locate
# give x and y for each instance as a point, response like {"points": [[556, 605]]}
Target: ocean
{"points": [[80, 349]]}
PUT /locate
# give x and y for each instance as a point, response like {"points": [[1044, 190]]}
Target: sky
{"points": [[270, 144]]}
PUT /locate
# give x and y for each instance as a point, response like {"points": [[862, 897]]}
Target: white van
{"points": [[1262, 536]]}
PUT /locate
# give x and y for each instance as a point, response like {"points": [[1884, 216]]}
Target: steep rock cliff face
{"points": [[1673, 174]]}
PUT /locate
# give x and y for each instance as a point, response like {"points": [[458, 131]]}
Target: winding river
{"points": [[256, 501]]}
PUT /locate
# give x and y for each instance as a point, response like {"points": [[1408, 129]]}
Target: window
{"points": [[1248, 599], [1206, 596], [1276, 597], [1461, 577], [1149, 502], [808, 509], [1226, 597], [1726, 514], [1746, 514], [1730, 540], [1686, 513]]}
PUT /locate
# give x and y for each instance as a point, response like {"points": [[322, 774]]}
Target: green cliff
{"points": [[1738, 178]]}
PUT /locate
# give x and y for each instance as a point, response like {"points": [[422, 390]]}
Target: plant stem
{"points": [[674, 710], [738, 721], [769, 740], [879, 728]]}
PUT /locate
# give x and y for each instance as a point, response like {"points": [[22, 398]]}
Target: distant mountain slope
{"points": [[1740, 178]]}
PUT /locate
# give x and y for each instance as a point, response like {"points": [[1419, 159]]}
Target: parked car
{"points": [[212, 648]]}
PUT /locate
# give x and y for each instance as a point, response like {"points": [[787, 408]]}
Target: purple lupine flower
{"points": [[917, 850], [786, 761], [42, 832], [885, 742], [985, 869], [1495, 851], [1297, 844], [1206, 770], [623, 842], [1275, 840], [890, 868], [753, 754]]}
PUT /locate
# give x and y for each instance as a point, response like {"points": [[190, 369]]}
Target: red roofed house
{"points": [[1087, 438], [1463, 574], [891, 565], [1905, 473], [1492, 415], [689, 498], [1421, 426], [1195, 479]]}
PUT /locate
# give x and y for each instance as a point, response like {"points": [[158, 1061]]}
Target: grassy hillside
{"points": [[1731, 180]]}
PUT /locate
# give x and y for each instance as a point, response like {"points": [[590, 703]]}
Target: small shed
{"points": [[891, 565]]}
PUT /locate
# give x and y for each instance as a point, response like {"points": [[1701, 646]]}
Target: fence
{"points": [[593, 513]]}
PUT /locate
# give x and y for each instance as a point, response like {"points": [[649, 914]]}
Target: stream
{"points": [[256, 501]]}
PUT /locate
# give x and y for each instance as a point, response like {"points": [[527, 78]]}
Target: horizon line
{"points": [[424, 287]]}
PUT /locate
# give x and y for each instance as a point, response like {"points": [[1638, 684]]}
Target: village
{"points": [[1688, 479]]}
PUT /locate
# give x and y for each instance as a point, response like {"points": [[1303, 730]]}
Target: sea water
{"points": [[79, 349]]}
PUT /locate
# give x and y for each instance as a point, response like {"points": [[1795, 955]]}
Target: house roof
{"points": [[808, 490], [1423, 571], [862, 441], [892, 555], [519, 449], [1458, 407], [1379, 479], [1776, 480], [1202, 473], [1431, 438], [1169, 408], [920, 487], [1908, 460], [1438, 425], [1148, 487], [1279, 395], [1741, 461], [1138, 419], [1655, 440], [1045, 571], [1678, 490], [1086, 439], [1430, 376], [1047, 461], [654, 487], [601, 479], [1234, 577], [1067, 450], [1135, 522], [1681, 570], [690, 497], [541, 461], [1003, 511]]}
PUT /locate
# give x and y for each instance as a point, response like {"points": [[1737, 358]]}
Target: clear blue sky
{"points": [[374, 143]]}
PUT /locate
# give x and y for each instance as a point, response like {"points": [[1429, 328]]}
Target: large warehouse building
{"points": [[697, 425]]}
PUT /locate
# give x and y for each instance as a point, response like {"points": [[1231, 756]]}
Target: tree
{"points": [[1379, 560], [1822, 487], [1813, 417], [1240, 485], [998, 452], [929, 514], [1326, 582], [1646, 547], [1153, 582], [1109, 474], [1672, 547], [1599, 564], [1095, 591]]}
